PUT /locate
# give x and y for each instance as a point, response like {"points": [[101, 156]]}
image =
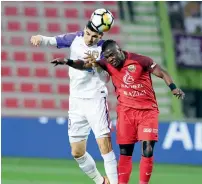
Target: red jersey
{"points": [[132, 82]]}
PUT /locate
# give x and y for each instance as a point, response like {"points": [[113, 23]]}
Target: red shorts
{"points": [[134, 125]]}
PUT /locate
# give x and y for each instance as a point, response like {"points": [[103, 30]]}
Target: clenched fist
{"points": [[36, 40]]}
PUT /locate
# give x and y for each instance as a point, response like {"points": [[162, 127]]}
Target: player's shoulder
{"points": [[72, 34], [142, 60], [138, 57], [79, 33], [100, 43]]}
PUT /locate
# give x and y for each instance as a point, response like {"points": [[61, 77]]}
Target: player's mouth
{"points": [[116, 63], [113, 62]]}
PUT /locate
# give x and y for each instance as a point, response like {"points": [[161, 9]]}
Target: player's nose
{"points": [[90, 40], [111, 59]]}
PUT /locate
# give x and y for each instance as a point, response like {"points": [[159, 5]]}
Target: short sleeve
{"points": [[147, 63], [66, 40]]}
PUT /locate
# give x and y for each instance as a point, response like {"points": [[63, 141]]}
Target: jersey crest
{"points": [[131, 68]]}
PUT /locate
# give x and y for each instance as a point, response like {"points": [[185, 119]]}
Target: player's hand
{"points": [[178, 93], [58, 61], [36, 40], [90, 60]]}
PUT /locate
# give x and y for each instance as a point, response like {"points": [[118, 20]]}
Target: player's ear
{"points": [[85, 28], [100, 35], [119, 48]]}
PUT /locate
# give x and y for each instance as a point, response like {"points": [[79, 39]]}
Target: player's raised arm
{"points": [[61, 41], [39, 40]]}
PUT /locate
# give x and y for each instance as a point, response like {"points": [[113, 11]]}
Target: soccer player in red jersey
{"points": [[137, 107]]}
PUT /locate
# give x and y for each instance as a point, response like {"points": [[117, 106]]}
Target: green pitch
{"points": [[45, 171]]}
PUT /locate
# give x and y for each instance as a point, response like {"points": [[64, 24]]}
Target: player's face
{"points": [[91, 38], [114, 55]]}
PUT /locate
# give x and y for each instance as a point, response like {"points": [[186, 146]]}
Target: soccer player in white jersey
{"points": [[87, 102]]}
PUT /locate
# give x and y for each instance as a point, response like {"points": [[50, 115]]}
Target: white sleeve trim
{"points": [[153, 65], [48, 41]]}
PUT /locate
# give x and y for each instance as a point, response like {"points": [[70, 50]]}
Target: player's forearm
{"points": [[77, 64], [166, 77], [46, 41]]}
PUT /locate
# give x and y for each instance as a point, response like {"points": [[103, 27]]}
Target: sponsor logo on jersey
{"points": [[150, 130], [134, 93], [128, 79]]}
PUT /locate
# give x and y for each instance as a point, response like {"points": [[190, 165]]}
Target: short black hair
{"points": [[89, 26], [107, 43]]}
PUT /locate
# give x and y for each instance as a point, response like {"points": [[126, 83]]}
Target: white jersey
{"points": [[87, 103], [83, 83]]}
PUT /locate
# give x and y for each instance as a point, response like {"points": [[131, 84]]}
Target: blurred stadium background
{"points": [[34, 105]]}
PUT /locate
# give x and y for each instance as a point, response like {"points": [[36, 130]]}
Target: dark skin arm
{"points": [[89, 62], [161, 73], [77, 64]]}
